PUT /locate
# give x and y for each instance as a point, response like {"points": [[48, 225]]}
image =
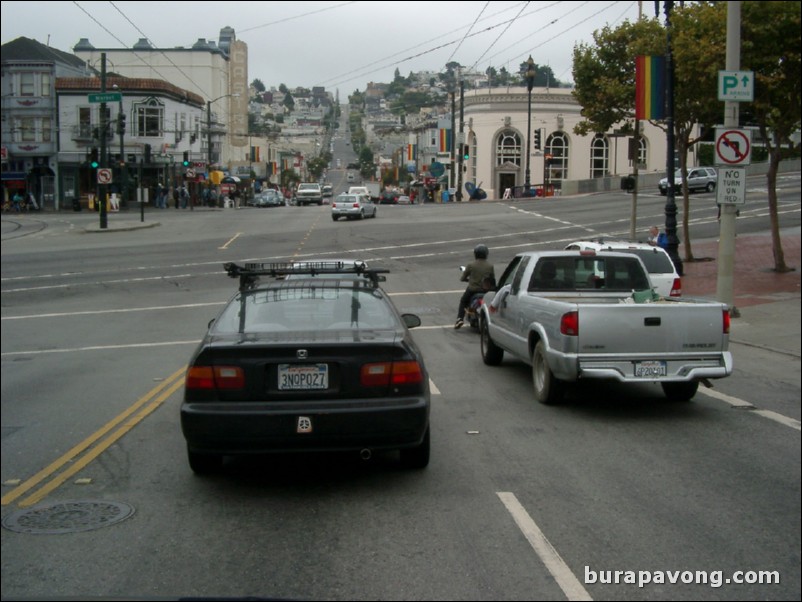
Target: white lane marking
{"points": [[99, 348], [740, 403], [571, 586], [114, 311]]}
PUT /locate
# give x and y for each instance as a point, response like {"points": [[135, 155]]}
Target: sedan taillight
{"points": [[215, 377], [676, 288], [390, 373]]}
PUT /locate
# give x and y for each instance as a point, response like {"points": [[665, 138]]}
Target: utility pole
{"points": [[453, 91], [726, 237], [671, 205], [461, 157]]}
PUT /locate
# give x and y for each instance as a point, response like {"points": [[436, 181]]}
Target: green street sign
{"points": [[106, 97]]}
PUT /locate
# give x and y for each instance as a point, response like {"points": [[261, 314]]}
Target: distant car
{"points": [[662, 272], [352, 206], [388, 197], [306, 365], [328, 190], [268, 198], [699, 178], [403, 199]]}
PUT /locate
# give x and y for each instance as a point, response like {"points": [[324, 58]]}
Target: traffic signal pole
{"points": [[102, 189]]}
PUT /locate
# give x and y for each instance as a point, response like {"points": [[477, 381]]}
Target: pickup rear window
{"points": [[611, 274]]}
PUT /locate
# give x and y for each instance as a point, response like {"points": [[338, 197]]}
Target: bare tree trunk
{"points": [[771, 181], [682, 147]]}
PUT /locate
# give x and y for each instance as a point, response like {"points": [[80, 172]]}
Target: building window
{"points": [[557, 147], [45, 84], [84, 122], [599, 157], [642, 151], [27, 129], [26, 84], [508, 148], [46, 129], [150, 119]]}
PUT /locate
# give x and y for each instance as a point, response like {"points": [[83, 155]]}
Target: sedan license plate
{"points": [[650, 369], [303, 377]]}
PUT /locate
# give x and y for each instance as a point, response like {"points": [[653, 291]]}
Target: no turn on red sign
{"points": [[104, 175], [733, 146]]}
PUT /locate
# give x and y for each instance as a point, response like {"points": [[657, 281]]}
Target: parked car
{"points": [[268, 198], [662, 273], [352, 206], [699, 178], [306, 365]]}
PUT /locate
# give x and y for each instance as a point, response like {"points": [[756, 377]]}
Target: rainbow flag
{"points": [[412, 152], [650, 87], [445, 140]]}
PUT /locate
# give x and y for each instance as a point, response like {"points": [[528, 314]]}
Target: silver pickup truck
{"points": [[576, 315]]}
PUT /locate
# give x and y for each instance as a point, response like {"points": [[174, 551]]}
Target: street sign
{"points": [[731, 187], [738, 86], [437, 169], [733, 146], [104, 175], [106, 97], [190, 173]]}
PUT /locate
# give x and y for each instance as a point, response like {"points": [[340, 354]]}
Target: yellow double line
{"points": [[94, 445]]}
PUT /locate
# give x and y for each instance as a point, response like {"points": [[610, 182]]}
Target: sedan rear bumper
{"points": [[269, 427]]}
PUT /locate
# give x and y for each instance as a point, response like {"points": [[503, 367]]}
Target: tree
{"points": [[605, 78], [366, 166], [288, 101], [258, 85], [770, 33]]}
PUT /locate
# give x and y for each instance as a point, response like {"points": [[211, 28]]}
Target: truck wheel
{"points": [[335, 217], [548, 389], [680, 391], [492, 354]]}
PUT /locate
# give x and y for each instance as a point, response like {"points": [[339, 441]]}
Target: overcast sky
{"points": [[339, 45]]}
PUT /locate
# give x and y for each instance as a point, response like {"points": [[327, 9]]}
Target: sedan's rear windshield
{"points": [[307, 307], [656, 261]]}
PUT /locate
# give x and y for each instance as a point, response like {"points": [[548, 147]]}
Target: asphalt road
{"points": [[520, 501]]}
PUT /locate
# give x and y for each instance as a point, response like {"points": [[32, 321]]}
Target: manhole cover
{"points": [[67, 517]]}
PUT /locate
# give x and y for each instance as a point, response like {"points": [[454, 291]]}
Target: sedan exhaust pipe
{"points": [[365, 454]]}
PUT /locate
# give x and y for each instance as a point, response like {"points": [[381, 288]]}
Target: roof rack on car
{"points": [[249, 273]]}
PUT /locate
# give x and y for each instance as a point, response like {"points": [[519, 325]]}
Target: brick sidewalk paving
{"points": [[754, 280]]}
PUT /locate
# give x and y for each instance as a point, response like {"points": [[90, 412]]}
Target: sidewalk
{"points": [[768, 302]]}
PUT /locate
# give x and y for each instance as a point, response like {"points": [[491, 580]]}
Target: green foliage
{"points": [[289, 101], [258, 85], [366, 166]]}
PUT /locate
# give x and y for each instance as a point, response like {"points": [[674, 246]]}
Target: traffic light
{"points": [[121, 123], [186, 158], [466, 153], [94, 163], [537, 139]]}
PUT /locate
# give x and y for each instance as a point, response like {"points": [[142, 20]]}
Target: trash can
{"points": [[444, 196], [76, 204]]}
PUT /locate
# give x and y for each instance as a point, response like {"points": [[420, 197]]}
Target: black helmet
{"points": [[480, 251]]}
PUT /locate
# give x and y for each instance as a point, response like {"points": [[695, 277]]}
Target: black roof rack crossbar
{"points": [[249, 273]]}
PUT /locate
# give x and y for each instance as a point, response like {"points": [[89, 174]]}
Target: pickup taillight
{"points": [[676, 288], [569, 324], [725, 321]]}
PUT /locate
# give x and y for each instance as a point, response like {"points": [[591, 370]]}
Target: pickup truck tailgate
{"points": [[651, 328]]}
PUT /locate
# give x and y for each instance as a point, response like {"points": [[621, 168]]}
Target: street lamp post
{"points": [[530, 83], [122, 164], [209, 126]]}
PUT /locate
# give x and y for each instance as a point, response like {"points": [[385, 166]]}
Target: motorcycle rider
{"points": [[475, 275]]}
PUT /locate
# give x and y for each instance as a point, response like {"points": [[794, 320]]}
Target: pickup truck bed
{"points": [[574, 325]]}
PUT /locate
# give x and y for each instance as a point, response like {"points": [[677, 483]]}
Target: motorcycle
{"points": [[475, 304]]}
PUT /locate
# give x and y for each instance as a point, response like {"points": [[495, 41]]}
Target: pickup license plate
{"points": [[650, 369], [303, 377]]}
